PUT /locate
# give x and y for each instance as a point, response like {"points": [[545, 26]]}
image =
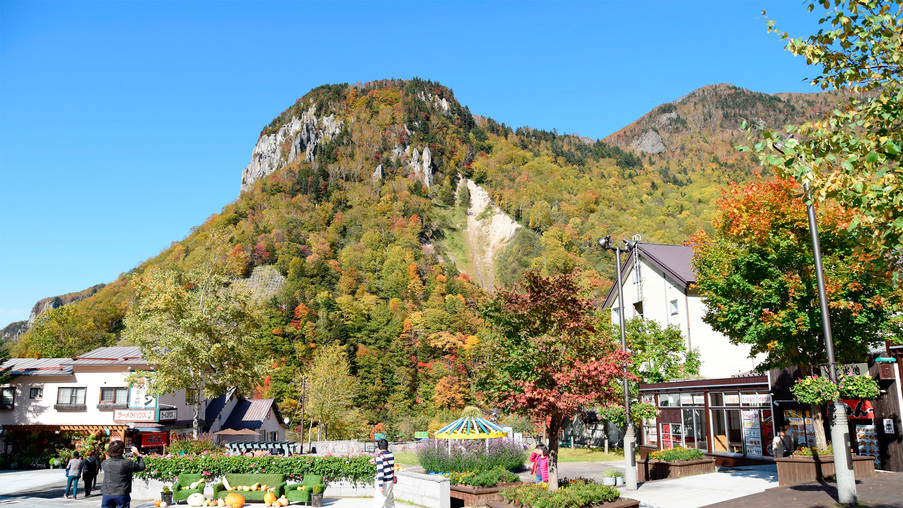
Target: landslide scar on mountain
{"points": [[488, 231]]}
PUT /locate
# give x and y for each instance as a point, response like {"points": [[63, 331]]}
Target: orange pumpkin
{"points": [[269, 497], [234, 500]]}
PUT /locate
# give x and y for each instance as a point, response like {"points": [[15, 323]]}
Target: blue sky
{"points": [[125, 124]]}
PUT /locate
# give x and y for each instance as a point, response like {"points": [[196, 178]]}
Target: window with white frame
{"points": [[36, 392], [674, 308], [71, 398]]}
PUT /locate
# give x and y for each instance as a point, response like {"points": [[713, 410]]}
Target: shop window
{"points": [[694, 429], [70, 398], [650, 433], [749, 399], [716, 399], [727, 431], [731, 399], [638, 309], [672, 435], [669, 400], [7, 397], [36, 393]]}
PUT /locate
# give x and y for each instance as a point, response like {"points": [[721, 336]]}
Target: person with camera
{"points": [[117, 476], [385, 476]]}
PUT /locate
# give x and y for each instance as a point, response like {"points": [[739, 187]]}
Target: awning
{"points": [[471, 428], [78, 428]]}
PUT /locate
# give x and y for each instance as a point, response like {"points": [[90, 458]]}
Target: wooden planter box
{"points": [[465, 495], [622, 502], [649, 469], [797, 470]]}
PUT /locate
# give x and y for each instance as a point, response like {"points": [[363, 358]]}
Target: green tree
{"points": [[659, 354], [853, 154], [545, 357], [62, 332], [331, 387], [199, 333], [5, 376], [463, 196], [756, 275]]}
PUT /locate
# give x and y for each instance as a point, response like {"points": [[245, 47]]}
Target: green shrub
{"points": [[678, 453], [811, 451], [482, 479], [569, 495], [216, 465], [204, 443], [858, 387], [612, 473]]}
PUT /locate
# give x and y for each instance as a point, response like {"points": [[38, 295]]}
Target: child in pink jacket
{"points": [[540, 460]]}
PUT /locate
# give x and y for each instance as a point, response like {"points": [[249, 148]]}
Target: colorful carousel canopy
{"points": [[471, 428]]}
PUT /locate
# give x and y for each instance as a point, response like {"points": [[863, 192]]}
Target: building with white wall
{"points": [[659, 284], [89, 394]]}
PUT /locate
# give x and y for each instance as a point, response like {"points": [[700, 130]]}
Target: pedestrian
{"points": [[73, 473], [117, 476], [385, 476], [780, 445], [540, 459], [92, 466]]}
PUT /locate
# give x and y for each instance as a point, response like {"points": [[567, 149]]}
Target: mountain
{"points": [[379, 215]]}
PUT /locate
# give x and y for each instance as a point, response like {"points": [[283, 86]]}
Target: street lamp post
{"points": [[630, 475]]}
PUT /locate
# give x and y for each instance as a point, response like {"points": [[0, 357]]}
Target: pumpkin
{"points": [[196, 499], [234, 500], [269, 497]]}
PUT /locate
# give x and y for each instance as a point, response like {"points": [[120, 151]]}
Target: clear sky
{"points": [[124, 124]]}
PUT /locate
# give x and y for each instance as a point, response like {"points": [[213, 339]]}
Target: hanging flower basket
{"points": [[814, 390], [858, 387]]}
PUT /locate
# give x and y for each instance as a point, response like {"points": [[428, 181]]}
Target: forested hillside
{"points": [[355, 199]]}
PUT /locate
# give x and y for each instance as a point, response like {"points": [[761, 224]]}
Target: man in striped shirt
{"points": [[385, 476]]}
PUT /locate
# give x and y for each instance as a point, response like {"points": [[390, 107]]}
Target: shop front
{"points": [[730, 419]]}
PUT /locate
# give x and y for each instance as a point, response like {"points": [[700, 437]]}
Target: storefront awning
{"points": [[78, 428]]}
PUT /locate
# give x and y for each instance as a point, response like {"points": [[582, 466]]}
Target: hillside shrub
{"points": [[216, 465], [471, 455], [678, 453]]}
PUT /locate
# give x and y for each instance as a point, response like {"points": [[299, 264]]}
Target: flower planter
{"points": [[650, 469], [166, 497], [316, 499], [619, 503], [797, 470], [476, 496]]}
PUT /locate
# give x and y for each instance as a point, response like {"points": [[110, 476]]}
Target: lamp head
{"points": [[605, 243]]}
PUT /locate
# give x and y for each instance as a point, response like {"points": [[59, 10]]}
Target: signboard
{"points": [[666, 436], [764, 399], [888, 425], [140, 399], [699, 400], [421, 435], [731, 398], [154, 439], [135, 415], [168, 414], [867, 440], [749, 399], [380, 435], [752, 436], [846, 368], [857, 409], [768, 431]]}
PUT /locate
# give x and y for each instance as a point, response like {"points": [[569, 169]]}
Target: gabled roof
{"points": [[130, 355], [675, 261], [38, 367], [214, 408], [250, 414]]}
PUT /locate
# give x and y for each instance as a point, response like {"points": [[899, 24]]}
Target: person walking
{"points": [[540, 459], [780, 445], [385, 476], [92, 466], [73, 473], [117, 476]]}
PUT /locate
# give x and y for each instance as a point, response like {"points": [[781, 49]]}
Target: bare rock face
{"points": [[422, 166], [650, 142], [306, 132], [378, 174]]}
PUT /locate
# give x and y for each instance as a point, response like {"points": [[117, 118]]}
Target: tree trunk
{"points": [[195, 423], [552, 435], [818, 424]]}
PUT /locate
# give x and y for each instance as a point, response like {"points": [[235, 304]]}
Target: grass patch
{"points": [[406, 459], [589, 455]]}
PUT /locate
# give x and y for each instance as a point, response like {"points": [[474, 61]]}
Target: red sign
{"points": [[152, 439], [857, 409]]}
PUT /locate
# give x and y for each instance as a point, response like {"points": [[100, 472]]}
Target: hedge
{"points": [[215, 465]]}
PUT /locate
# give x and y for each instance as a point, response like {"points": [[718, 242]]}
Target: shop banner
{"points": [[154, 439], [752, 436], [135, 415], [867, 440], [857, 409]]}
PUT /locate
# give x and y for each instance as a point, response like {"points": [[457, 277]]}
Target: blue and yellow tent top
{"points": [[470, 428]]}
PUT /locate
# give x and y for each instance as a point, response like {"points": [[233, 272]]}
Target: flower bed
{"points": [[674, 463], [578, 494], [810, 468], [472, 455], [217, 465]]}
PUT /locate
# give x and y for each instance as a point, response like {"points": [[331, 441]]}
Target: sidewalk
{"points": [[706, 489]]}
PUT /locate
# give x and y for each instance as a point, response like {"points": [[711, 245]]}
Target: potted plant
{"points": [[815, 390], [166, 495], [609, 476], [858, 387], [316, 495]]}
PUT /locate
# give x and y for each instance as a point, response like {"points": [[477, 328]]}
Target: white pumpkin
{"points": [[196, 499]]}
